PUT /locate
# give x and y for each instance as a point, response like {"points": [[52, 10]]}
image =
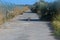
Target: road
{"points": [[26, 30]]}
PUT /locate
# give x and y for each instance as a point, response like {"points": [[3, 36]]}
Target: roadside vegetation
{"points": [[49, 12], [9, 11], [56, 19]]}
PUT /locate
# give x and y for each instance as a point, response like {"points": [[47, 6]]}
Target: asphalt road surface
{"points": [[26, 30]]}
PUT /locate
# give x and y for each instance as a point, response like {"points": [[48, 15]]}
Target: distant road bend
{"points": [[26, 30]]}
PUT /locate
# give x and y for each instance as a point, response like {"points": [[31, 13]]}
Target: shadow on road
{"points": [[52, 31], [28, 19], [33, 20]]}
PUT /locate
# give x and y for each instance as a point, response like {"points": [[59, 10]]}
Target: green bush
{"points": [[56, 24]]}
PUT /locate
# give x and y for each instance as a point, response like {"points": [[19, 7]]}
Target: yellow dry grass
{"points": [[57, 24], [17, 11], [1, 19], [26, 8], [12, 14]]}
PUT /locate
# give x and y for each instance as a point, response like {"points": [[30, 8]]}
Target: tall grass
{"points": [[9, 11], [56, 24], [56, 19], [16, 12]]}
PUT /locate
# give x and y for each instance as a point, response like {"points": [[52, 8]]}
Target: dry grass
{"points": [[1, 19], [26, 8], [12, 14]]}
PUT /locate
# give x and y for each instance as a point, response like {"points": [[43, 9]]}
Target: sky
{"points": [[25, 1]]}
